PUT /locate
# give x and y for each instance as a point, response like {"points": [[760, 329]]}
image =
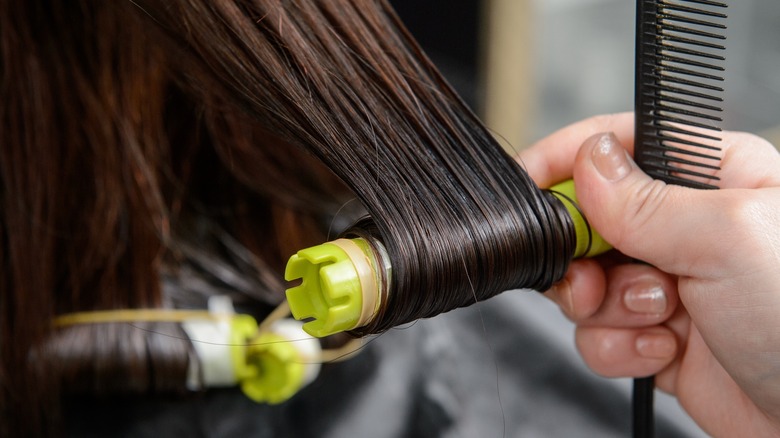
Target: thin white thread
{"points": [[490, 347]]}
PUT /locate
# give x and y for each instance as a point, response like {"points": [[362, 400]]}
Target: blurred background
{"points": [[530, 67]]}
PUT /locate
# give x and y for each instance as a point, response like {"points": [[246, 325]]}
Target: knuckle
{"points": [[643, 204]]}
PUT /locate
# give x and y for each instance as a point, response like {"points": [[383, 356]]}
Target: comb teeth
{"points": [[679, 76]]}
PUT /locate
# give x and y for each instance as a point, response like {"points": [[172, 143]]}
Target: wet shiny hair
{"points": [[156, 152]]}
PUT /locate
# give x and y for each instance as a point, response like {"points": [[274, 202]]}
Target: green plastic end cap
{"points": [[567, 195], [272, 370], [330, 292]]}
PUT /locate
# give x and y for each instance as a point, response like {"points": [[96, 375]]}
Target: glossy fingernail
{"points": [[610, 159], [656, 345], [645, 298]]}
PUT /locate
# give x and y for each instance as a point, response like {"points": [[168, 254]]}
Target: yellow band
{"points": [[136, 315], [367, 279]]}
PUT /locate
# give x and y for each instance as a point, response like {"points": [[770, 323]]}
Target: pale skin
{"points": [[704, 314]]}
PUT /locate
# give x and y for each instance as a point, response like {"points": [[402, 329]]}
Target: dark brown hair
{"points": [[146, 139]]}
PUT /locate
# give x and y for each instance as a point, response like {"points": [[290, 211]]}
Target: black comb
{"points": [[679, 76], [678, 85]]}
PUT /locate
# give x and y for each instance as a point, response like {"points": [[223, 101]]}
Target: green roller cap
{"points": [[273, 370], [330, 292]]}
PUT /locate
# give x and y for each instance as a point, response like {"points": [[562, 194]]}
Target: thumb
{"points": [[664, 225]]}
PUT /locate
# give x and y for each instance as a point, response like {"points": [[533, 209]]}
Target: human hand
{"points": [[705, 317]]}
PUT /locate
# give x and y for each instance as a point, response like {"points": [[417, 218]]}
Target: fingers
{"points": [[615, 352], [550, 160], [637, 352], [629, 295], [621, 315]]}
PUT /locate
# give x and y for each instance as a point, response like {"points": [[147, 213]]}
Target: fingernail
{"points": [[561, 294], [645, 297], [656, 345], [610, 159]]}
